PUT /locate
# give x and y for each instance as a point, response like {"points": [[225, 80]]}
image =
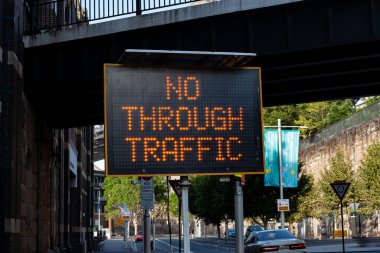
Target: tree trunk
{"points": [[218, 228]]}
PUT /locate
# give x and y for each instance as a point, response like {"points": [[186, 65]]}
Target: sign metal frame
{"points": [[260, 163]]}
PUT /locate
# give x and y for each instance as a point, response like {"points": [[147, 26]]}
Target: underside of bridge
{"points": [[308, 51]]}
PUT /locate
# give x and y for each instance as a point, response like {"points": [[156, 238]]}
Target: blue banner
{"points": [[271, 177], [290, 146]]}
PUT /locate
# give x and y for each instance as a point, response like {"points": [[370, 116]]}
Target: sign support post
{"points": [[169, 222], [185, 210], [340, 189], [239, 216], [147, 229]]}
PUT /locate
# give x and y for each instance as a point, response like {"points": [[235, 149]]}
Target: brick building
{"points": [[46, 202]]}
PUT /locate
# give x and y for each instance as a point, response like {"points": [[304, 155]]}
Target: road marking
{"points": [[169, 245]]}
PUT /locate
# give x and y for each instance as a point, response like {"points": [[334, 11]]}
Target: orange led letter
{"points": [[239, 118], [220, 149], [144, 118], [201, 148], [229, 149], [129, 109], [206, 119], [164, 120], [183, 148], [215, 120], [166, 152], [178, 118], [133, 143], [170, 86], [151, 150], [194, 80]]}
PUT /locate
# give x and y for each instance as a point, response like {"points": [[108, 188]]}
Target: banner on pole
{"points": [[271, 177], [290, 146]]}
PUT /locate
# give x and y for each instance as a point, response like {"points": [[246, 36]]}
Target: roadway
{"points": [[213, 245]]}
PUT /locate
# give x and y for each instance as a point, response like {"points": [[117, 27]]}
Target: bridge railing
{"points": [[52, 15]]}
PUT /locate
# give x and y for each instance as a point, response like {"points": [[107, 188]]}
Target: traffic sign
{"points": [[340, 189], [146, 193], [175, 184], [180, 121], [282, 205], [147, 204]]}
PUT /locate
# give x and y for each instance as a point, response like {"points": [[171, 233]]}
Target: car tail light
{"points": [[298, 246], [268, 248]]}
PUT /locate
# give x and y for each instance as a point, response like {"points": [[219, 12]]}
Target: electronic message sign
{"points": [[181, 121]]}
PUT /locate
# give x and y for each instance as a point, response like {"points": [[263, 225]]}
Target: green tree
{"points": [[369, 180], [260, 202], [317, 116], [287, 113], [210, 200], [120, 190], [340, 169], [372, 100]]}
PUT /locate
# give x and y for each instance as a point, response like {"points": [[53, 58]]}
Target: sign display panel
{"points": [[173, 121]]}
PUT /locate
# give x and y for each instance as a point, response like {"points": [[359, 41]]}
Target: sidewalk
{"points": [[118, 246], [350, 247]]}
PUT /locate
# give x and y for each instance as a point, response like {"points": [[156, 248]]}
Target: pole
{"points": [[179, 225], [99, 213], [280, 170], [154, 234], [356, 228], [185, 210], [341, 214], [126, 232], [226, 229], [147, 230], [238, 199], [169, 222]]}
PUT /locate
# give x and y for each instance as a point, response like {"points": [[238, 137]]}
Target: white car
{"points": [[280, 241]]}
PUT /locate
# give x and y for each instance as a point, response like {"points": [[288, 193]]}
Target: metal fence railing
{"points": [[366, 114], [45, 15]]}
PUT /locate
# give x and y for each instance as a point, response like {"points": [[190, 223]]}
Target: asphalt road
{"points": [[213, 245]]}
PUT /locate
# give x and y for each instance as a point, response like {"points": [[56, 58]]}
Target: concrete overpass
{"points": [[309, 50]]}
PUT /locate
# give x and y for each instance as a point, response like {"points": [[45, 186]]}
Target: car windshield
{"points": [[255, 228], [274, 235]]}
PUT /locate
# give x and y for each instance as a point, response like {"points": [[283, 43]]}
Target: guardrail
{"points": [[42, 15]]}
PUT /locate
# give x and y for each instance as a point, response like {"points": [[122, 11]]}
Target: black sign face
{"points": [[166, 121]]}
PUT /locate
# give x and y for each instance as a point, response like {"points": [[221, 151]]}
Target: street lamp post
{"points": [[279, 128], [280, 170]]}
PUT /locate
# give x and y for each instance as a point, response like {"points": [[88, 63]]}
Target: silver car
{"points": [[280, 240]]}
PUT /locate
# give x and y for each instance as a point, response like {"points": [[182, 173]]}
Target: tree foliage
{"points": [[315, 116], [369, 180], [372, 100], [210, 199], [122, 190], [260, 202], [340, 169]]}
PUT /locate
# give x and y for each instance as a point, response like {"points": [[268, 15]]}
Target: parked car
{"points": [[251, 229], [280, 240], [231, 233], [139, 237]]}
